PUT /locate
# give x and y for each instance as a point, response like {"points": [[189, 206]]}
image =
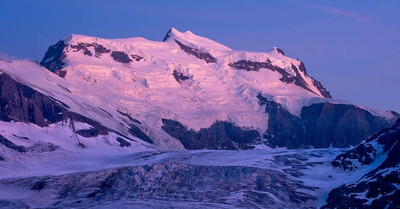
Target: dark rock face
{"points": [[325, 93], [11, 145], [284, 129], [122, 142], [256, 66], [298, 79], [129, 117], [221, 135], [135, 131], [286, 77], [88, 132], [320, 125], [231, 186], [167, 35], [54, 58], [83, 47], [136, 57], [21, 103], [393, 157], [251, 66], [180, 76], [379, 185], [280, 51], [395, 114], [197, 53], [121, 57], [38, 186], [365, 153], [381, 189], [340, 125], [97, 129], [99, 49], [41, 147]]}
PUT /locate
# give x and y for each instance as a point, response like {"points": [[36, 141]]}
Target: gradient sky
{"points": [[352, 47]]}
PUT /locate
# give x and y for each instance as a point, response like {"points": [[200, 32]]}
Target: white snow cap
{"points": [[147, 83]]}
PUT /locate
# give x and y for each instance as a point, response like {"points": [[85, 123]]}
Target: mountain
{"points": [[189, 92], [140, 123]]}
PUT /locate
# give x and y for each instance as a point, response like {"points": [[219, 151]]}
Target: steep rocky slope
{"points": [[380, 187]]}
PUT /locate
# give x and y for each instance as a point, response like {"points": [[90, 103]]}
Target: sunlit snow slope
{"points": [[155, 80]]}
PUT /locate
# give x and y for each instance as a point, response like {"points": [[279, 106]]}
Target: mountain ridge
{"points": [[176, 123], [197, 83], [188, 40]]}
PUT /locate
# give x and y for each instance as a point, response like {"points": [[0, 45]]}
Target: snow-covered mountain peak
{"points": [[277, 50], [176, 92], [206, 80], [185, 50]]}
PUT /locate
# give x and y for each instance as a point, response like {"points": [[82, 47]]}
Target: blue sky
{"points": [[352, 47]]}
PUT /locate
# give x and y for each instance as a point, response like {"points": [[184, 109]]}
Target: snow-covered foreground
{"points": [[309, 170]]}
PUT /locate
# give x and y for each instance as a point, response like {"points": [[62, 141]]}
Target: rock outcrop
{"points": [[320, 125], [21, 103], [221, 135], [197, 53], [378, 188]]}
